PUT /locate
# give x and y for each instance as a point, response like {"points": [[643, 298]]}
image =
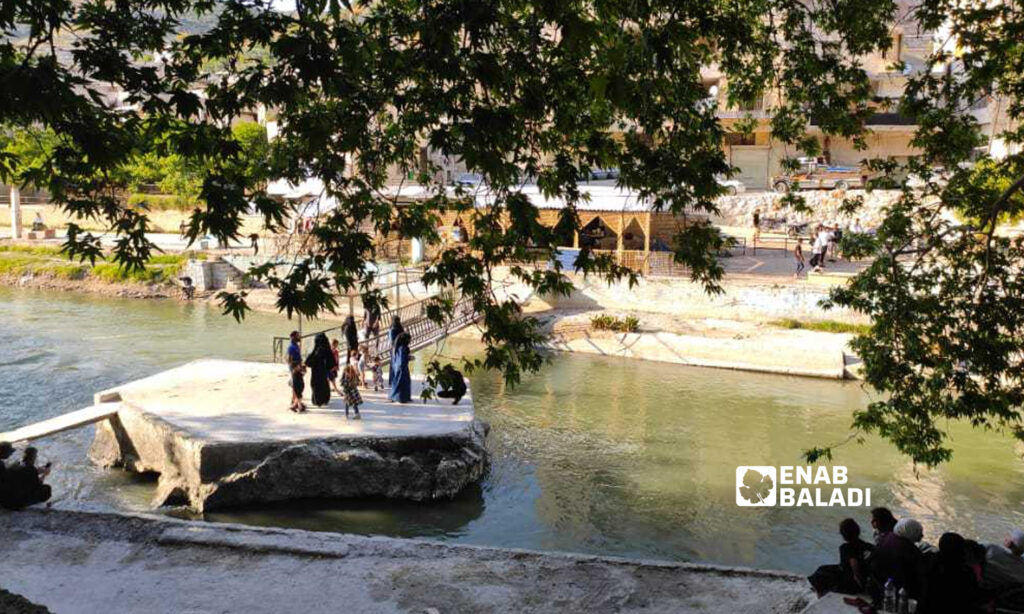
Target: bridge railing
{"points": [[407, 313]]}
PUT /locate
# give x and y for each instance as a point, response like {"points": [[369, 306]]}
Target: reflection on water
{"points": [[592, 454]]}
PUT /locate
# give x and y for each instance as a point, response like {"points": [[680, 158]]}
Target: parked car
{"points": [[469, 179], [816, 174], [732, 186]]}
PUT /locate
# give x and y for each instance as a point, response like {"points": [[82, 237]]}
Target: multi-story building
{"points": [[758, 157]]}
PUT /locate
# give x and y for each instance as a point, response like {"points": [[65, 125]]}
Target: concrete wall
{"points": [[742, 300]]}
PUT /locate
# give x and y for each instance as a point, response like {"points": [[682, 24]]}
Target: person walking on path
{"points": [[756, 216], [296, 371], [371, 322], [401, 382], [350, 384], [320, 362], [798, 255]]}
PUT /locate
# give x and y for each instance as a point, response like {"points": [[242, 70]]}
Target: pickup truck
{"points": [[816, 174]]}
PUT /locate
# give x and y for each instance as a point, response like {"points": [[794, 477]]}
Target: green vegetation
{"points": [[552, 90], [18, 260], [629, 324], [825, 326]]}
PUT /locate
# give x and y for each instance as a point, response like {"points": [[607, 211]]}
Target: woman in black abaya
{"points": [[321, 362]]}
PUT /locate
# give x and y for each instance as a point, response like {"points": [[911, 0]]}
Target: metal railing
{"points": [[422, 329], [407, 313]]}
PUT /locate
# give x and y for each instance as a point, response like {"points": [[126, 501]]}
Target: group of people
{"points": [[827, 237], [959, 576], [22, 483], [325, 366]]}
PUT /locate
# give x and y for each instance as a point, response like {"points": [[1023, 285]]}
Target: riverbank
{"points": [[780, 347], [45, 267], [84, 561]]}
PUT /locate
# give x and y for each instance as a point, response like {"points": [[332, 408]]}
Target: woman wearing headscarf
{"points": [[393, 333], [321, 362], [401, 383], [950, 585], [348, 328]]}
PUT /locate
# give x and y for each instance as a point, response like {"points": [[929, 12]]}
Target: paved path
{"points": [[74, 562]]}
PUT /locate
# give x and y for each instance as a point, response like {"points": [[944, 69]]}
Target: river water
{"points": [[592, 454]]}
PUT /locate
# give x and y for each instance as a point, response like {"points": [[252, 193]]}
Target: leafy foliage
{"points": [[550, 90]]}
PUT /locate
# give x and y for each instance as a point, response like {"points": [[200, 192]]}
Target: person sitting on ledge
{"points": [[1004, 569], [38, 224], [6, 450], [23, 484], [452, 383], [950, 585], [849, 576], [894, 557]]}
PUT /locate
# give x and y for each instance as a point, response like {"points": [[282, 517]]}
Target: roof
{"points": [[607, 198]]}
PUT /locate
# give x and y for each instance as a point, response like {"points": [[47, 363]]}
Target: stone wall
{"points": [[752, 300], [737, 210]]}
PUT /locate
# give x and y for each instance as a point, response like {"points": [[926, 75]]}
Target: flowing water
{"points": [[592, 454]]}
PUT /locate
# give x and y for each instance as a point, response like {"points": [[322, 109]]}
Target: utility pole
{"points": [[15, 212]]}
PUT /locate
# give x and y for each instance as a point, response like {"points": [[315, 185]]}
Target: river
{"points": [[592, 454]]}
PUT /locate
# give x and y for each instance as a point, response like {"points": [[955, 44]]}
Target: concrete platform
{"points": [[237, 401], [219, 434]]}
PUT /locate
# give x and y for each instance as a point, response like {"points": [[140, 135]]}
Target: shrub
{"points": [[629, 324], [824, 326]]}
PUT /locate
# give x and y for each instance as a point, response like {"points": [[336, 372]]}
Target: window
{"points": [[739, 138]]}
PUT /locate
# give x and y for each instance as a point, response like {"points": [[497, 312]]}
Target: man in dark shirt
{"points": [[296, 370]]}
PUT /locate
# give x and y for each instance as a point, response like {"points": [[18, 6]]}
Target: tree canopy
{"points": [[548, 89]]}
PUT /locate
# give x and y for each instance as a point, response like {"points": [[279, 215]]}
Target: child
{"points": [[350, 383], [378, 374], [362, 365], [798, 255]]}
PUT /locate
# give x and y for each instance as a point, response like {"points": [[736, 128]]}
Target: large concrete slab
{"points": [[237, 401], [113, 564], [219, 434]]}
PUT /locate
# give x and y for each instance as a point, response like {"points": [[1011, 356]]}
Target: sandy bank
{"points": [[86, 562]]}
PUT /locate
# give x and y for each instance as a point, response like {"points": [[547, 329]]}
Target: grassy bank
{"points": [[21, 260], [824, 326]]}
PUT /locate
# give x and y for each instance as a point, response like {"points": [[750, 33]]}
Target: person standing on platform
{"points": [[401, 382], [320, 362], [348, 328], [296, 371], [396, 330]]}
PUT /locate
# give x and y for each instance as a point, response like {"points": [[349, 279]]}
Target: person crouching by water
{"points": [[320, 362], [452, 383], [296, 371], [23, 484], [350, 379], [401, 382], [850, 575]]}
